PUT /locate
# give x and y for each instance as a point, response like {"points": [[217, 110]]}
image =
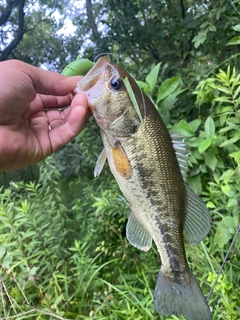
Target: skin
{"points": [[29, 133]]}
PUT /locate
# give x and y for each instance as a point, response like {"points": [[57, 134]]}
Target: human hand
{"points": [[29, 133]]}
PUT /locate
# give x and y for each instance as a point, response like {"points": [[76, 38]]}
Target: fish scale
{"points": [[150, 169]]}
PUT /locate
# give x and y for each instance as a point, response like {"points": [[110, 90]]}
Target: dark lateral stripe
{"points": [[173, 251]]}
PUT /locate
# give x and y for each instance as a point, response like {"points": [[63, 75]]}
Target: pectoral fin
{"points": [[197, 221], [100, 163], [137, 235], [120, 160]]}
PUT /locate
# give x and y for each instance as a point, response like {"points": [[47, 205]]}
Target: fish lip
{"points": [[84, 86], [89, 80]]}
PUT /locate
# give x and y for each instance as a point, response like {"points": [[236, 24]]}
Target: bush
{"points": [[63, 249]]}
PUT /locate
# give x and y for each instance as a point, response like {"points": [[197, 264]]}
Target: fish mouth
{"points": [[89, 85], [93, 85], [89, 80], [95, 81]]}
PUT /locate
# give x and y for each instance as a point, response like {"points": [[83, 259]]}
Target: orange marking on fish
{"points": [[121, 162]]}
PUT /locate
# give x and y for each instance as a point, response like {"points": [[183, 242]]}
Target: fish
{"points": [[150, 167]]}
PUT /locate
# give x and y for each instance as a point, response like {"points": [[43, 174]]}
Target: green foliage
{"points": [[165, 95], [214, 142], [235, 40], [63, 250]]}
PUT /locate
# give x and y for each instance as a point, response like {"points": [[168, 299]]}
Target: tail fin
{"points": [[181, 298]]}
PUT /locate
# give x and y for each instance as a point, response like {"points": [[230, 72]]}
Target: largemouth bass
{"points": [[150, 167]]}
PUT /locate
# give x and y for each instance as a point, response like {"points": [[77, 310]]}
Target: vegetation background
{"points": [[63, 250]]}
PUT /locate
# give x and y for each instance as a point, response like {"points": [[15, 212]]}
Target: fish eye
{"points": [[115, 83]]}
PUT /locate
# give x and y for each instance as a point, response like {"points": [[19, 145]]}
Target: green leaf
{"points": [[235, 156], [210, 205], [237, 27], [151, 78], [209, 127], [224, 99], [212, 27], [235, 40], [144, 86], [195, 124], [2, 251], [222, 119], [230, 141], [226, 189], [211, 160], [195, 184], [232, 202], [224, 231], [223, 89], [169, 101], [167, 87], [7, 261], [227, 175], [204, 145], [236, 92], [200, 39], [33, 271], [183, 128], [133, 98]]}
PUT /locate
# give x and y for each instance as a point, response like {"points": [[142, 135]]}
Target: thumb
{"points": [[46, 82]]}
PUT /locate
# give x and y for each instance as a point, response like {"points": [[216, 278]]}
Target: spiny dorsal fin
{"points": [[182, 153], [198, 221], [137, 235], [100, 163]]}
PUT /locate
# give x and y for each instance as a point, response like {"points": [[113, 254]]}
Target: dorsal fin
{"points": [[198, 221], [181, 151]]}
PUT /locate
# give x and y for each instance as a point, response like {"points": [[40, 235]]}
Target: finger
{"points": [[80, 99], [57, 117], [47, 102], [46, 82], [64, 133], [42, 102]]}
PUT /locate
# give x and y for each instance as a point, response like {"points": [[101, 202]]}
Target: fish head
{"points": [[109, 99]]}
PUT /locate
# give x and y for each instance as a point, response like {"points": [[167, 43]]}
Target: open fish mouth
{"points": [[90, 80], [93, 84]]}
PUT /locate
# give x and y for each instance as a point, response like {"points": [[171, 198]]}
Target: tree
{"points": [[180, 33], [31, 31], [19, 32], [63, 250]]}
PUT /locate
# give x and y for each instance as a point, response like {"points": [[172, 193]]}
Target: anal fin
{"points": [[137, 235]]}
